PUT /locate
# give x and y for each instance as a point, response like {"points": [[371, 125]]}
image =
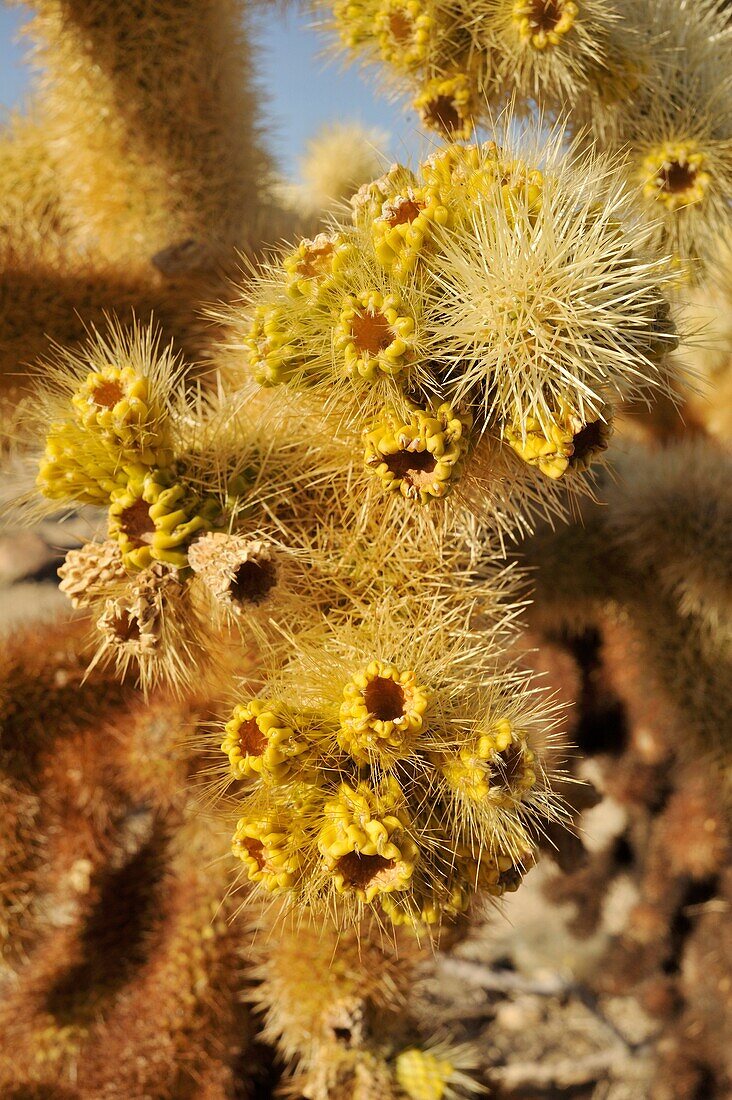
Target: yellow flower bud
{"points": [[404, 31], [365, 844], [423, 458], [383, 712], [543, 23], [422, 1075], [154, 518], [269, 847], [558, 445], [373, 335], [403, 228], [675, 175], [273, 352], [260, 742], [313, 267], [116, 402], [448, 104]]}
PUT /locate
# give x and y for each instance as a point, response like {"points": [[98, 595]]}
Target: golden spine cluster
{"points": [[342, 1008]]}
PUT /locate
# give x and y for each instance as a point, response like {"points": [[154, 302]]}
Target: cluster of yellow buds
{"points": [[171, 471], [365, 841], [401, 213], [457, 60], [404, 224], [121, 437], [314, 264], [75, 467], [273, 357], [110, 443], [388, 788], [399, 32], [445, 312], [108, 422], [117, 402], [404, 31], [497, 766], [269, 849], [591, 62]]}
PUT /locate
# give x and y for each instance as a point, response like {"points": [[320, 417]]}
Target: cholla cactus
{"points": [[175, 114], [459, 59], [342, 1009], [708, 405], [86, 230], [482, 306], [655, 558], [650, 77], [113, 944], [304, 541], [337, 160], [680, 130], [399, 768]]}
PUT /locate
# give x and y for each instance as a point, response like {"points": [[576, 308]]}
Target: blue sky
{"points": [[305, 89]]}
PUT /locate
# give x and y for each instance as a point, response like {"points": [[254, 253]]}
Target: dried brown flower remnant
{"points": [[89, 569], [240, 573], [132, 622]]}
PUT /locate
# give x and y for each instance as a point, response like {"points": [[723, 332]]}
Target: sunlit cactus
{"points": [[480, 309], [650, 78], [293, 746], [397, 789], [341, 1007]]}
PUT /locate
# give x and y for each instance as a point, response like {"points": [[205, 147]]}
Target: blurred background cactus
{"points": [[367, 555]]}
